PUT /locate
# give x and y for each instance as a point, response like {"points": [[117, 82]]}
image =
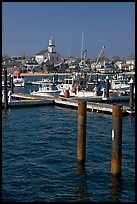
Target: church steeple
{"points": [[51, 45]]}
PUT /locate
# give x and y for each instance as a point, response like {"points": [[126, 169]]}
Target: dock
{"points": [[91, 106], [28, 100], [29, 103], [97, 104]]}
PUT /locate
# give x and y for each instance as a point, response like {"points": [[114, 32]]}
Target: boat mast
{"points": [[82, 46], [101, 55]]}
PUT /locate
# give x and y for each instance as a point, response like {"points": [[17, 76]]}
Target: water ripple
{"points": [[39, 158]]}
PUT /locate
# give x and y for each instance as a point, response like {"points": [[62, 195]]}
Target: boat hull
{"points": [[46, 94]]}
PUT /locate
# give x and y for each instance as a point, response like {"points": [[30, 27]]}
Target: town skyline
{"points": [[28, 26]]}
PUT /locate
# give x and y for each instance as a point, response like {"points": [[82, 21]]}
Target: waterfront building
{"points": [[31, 65]]}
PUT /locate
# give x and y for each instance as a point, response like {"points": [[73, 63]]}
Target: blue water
{"points": [[39, 161]]}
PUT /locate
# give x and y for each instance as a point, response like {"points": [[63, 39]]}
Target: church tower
{"points": [[51, 46]]}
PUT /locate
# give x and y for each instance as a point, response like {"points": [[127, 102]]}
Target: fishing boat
{"points": [[18, 81], [78, 85], [68, 84], [47, 90]]}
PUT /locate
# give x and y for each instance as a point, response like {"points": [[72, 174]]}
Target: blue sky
{"points": [[27, 27]]}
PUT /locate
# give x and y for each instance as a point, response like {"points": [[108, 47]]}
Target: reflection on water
{"points": [[115, 189], [81, 188], [49, 134]]}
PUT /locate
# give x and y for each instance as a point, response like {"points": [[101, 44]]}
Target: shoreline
{"points": [[62, 74], [43, 74]]}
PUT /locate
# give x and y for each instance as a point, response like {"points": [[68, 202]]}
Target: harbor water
{"points": [[39, 161]]}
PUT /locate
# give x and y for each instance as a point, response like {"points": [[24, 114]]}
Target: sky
{"points": [[27, 27]]}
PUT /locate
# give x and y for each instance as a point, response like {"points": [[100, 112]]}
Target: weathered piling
{"points": [[131, 99], [116, 140], [107, 86], [81, 138], [12, 85], [97, 79], [5, 89]]}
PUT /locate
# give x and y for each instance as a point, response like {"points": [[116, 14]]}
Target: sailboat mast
{"points": [[82, 46]]}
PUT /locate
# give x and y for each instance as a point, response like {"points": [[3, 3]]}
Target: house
{"points": [[131, 64], [31, 65]]}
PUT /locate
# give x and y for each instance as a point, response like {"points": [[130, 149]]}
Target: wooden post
{"points": [[107, 86], [5, 89], [116, 140], [97, 79], [12, 85], [131, 100], [81, 140]]}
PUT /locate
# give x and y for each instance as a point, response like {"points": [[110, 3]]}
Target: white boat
{"points": [[67, 85], [18, 81], [87, 94], [43, 80], [47, 89], [119, 84], [78, 85]]}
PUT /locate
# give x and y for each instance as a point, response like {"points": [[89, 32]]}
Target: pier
{"points": [[91, 106], [28, 100], [30, 103], [97, 104]]}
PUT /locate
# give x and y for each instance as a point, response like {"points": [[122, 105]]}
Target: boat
{"points": [[72, 84], [118, 84], [79, 85], [18, 81], [87, 93], [42, 81], [47, 90], [67, 85]]}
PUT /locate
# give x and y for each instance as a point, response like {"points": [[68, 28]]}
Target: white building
{"points": [[49, 54], [131, 62], [31, 65]]}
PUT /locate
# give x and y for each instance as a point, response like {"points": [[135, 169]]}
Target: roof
{"points": [[42, 52]]}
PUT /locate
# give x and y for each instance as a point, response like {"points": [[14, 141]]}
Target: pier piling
{"points": [[116, 140], [81, 139], [12, 85], [131, 100], [5, 89], [107, 86]]}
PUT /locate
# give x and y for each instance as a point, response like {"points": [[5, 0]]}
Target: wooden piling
{"points": [[81, 139], [131, 100], [107, 86], [12, 85], [5, 89], [116, 140]]}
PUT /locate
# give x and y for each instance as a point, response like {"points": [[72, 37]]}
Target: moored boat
{"points": [[18, 80], [47, 90]]}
